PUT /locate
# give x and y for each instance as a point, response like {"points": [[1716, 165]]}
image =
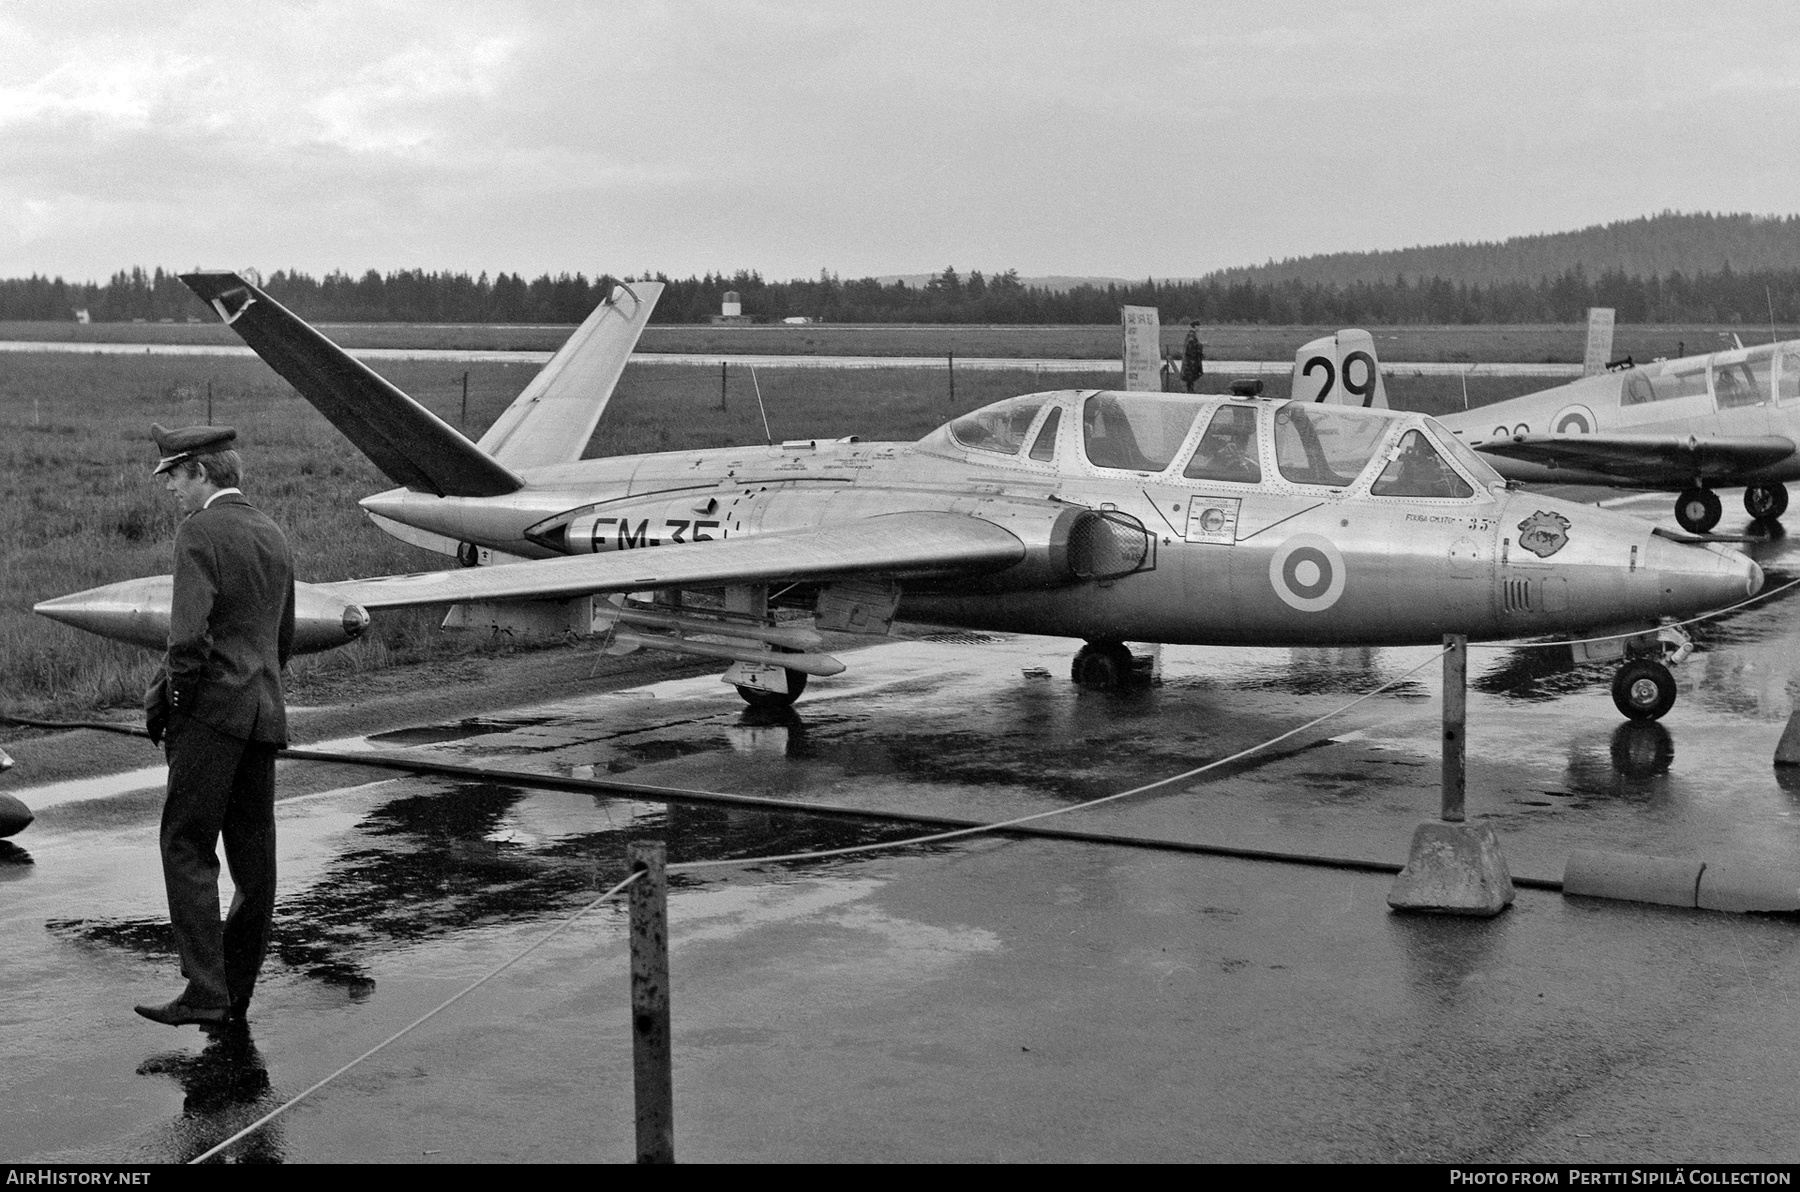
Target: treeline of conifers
{"points": [[416, 296]]}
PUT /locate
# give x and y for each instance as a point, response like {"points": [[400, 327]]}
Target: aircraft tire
{"points": [[758, 698], [1102, 666], [1766, 502], [1698, 510], [1643, 689]]}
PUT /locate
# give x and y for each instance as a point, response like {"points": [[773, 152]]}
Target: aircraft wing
{"points": [[1647, 460], [552, 420], [925, 543]]}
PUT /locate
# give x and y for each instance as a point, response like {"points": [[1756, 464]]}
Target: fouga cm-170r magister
{"points": [[1109, 517]]}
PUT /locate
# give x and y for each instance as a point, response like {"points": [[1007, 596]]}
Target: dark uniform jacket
{"points": [[231, 626]]}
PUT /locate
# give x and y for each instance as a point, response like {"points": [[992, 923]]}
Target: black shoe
{"points": [[179, 1013], [239, 1011]]}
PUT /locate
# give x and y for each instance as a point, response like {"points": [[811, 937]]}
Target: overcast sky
{"points": [[870, 137]]}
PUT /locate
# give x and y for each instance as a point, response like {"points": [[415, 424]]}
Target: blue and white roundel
{"points": [[1307, 572]]}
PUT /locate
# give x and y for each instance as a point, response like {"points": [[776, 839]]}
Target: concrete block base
{"points": [[1742, 887], [1670, 881], [1453, 869], [1787, 750], [15, 817]]}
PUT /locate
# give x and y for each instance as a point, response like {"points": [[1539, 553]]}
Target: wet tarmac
{"points": [[1002, 1000]]}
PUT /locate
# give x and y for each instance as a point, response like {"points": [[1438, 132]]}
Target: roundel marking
{"points": [[1574, 420], [1307, 572]]}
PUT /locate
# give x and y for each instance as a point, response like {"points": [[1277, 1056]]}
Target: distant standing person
{"points": [[220, 706], [1193, 357]]}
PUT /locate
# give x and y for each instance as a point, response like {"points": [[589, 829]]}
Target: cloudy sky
{"points": [[1117, 139]]}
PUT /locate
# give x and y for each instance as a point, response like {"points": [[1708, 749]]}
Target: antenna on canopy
{"points": [[767, 437]]}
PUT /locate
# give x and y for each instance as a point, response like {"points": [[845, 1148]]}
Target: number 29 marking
{"points": [[1364, 388]]}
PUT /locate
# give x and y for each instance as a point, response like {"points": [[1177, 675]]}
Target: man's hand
{"points": [[156, 710]]}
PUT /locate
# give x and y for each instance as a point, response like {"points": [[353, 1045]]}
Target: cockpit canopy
{"points": [[1186, 437]]}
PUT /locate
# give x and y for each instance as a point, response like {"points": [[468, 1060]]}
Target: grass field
{"points": [[78, 507], [1555, 343]]}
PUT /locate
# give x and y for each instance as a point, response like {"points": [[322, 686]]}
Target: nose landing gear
{"points": [[1643, 689]]}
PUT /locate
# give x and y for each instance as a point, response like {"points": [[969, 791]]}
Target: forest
{"points": [[1666, 269]]}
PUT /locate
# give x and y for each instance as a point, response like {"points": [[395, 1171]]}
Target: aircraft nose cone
{"points": [[1695, 579]]}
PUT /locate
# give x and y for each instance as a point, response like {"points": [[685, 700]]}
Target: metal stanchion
{"points": [[653, 1074], [1456, 706], [1453, 868]]}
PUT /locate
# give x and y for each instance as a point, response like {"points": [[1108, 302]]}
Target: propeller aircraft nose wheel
{"points": [[1643, 689], [1698, 510], [1765, 502]]}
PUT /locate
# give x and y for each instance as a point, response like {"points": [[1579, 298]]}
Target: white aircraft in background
{"points": [[1690, 426]]}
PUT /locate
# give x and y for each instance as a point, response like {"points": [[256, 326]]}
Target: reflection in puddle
{"points": [[226, 1087], [442, 857]]}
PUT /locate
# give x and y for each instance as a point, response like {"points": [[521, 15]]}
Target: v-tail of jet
{"points": [[548, 424]]}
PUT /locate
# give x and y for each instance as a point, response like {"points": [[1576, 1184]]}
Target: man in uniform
{"points": [[219, 703]]}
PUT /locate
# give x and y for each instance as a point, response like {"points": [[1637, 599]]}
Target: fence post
{"points": [[724, 371], [1456, 702], [952, 376], [653, 1079], [465, 408]]}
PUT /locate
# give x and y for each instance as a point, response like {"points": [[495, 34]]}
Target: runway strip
{"points": [[977, 363]]}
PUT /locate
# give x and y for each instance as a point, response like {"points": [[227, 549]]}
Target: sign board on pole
{"points": [[1599, 343], [1142, 351]]}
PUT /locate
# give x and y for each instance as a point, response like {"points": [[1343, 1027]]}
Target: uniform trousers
{"points": [[219, 786]]}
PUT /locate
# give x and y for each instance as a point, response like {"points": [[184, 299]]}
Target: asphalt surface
{"points": [[984, 1000]]}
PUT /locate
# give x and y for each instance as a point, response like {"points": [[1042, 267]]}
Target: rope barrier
{"points": [[1055, 811], [266, 1118]]}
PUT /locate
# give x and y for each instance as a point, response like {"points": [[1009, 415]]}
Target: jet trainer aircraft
{"points": [[1689, 425], [1106, 516]]}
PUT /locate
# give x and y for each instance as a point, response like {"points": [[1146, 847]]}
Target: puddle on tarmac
{"points": [[440, 857]]}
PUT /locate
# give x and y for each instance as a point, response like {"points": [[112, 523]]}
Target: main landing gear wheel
{"points": [[1765, 502], [1104, 666], [1644, 689], [756, 697], [1698, 510]]}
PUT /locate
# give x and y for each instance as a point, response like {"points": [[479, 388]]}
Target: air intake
{"points": [[1106, 544]]}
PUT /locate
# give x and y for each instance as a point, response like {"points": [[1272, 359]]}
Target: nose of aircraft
{"points": [[1697, 577]]}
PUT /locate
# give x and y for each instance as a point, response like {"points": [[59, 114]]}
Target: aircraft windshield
{"points": [[1463, 454], [1227, 450], [1417, 470], [1000, 427], [1646, 385], [1789, 384], [1138, 431], [1322, 445], [1744, 382]]}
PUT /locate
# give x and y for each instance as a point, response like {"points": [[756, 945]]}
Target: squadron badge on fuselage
{"points": [[1544, 533]]}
